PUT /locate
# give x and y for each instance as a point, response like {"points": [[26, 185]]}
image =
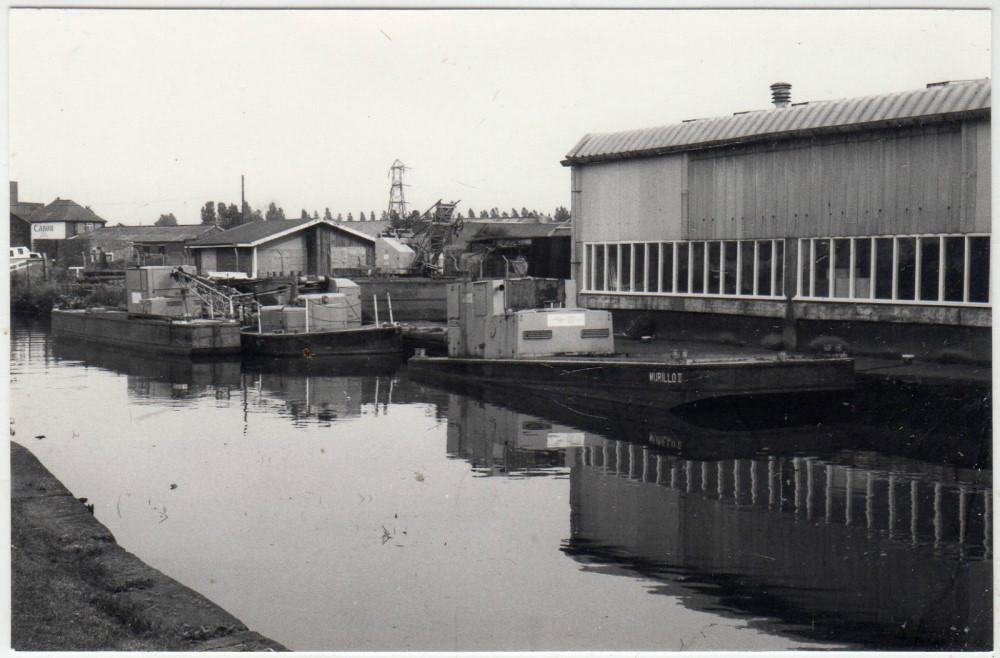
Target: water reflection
{"points": [[799, 532], [815, 539], [499, 441], [830, 548]]}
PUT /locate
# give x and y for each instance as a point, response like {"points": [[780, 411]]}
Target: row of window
{"points": [[951, 269], [731, 267], [923, 268]]}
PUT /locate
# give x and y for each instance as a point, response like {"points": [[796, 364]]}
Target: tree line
{"points": [[231, 215]]}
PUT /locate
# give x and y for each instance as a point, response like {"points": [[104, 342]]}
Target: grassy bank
{"points": [[73, 588], [31, 296]]}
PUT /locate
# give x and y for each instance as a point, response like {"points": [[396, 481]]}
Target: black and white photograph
{"points": [[562, 328]]}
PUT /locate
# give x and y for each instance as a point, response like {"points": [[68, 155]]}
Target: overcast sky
{"points": [[137, 113]]}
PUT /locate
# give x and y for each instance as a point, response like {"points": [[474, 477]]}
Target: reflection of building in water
{"points": [[498, 440], [327, 398], [903, 558]]}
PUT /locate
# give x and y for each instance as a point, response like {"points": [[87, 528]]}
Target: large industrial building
{"points": [[861, 223]]}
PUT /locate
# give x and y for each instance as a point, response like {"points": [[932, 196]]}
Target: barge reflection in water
{"points": [[587, 532]]}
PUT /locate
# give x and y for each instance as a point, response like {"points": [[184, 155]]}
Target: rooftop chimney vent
{"points": [[781, 94]]}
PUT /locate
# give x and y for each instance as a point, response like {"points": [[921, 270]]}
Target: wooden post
{"points": [[375, 302]]}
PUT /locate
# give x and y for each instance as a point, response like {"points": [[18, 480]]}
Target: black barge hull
{"points": [[619, 383], [340, 342], [118, 329]]}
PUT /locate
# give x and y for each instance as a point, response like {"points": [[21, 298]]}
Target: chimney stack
{"points": [[781, 94]]}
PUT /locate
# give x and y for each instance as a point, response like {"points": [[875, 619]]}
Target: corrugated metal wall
{"points": [[630, 200], [932, 179], [912, 181]]}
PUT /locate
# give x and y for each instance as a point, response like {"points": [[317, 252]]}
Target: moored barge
{"points": [[610, 381], [356, 341], [114, 328]]}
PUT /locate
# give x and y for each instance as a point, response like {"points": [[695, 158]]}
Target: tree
{"points": [[315, 215], [166, 220], [525, 212], [208, 217], [385, 216], [327, 215], [371, 215], [304, 215], [234, 216], [494, 214], [483, 214], [514, 213], [274, 213], [350, 217], [504, 215], [257, 216], [340, 217], [471, 213], [561, 214], [361, 217]]}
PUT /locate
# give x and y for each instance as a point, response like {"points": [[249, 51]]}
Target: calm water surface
{"points": [[349, 508]]}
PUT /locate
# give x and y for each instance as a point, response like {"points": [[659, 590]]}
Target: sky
{"points": [[137, 113]]}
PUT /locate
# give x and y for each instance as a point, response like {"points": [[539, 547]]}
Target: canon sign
{"points": [[48, 231]]}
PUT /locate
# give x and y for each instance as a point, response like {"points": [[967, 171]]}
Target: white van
{"points": [[23, 253]]}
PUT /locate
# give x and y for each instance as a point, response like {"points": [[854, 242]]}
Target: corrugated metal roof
{"points": [[258, 232], [936, 102]]}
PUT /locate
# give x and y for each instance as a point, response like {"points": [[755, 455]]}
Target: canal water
{"points": [[347, 507]]}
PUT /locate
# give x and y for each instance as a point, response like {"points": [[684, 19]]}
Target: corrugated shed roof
{"points": [[157, 234], [258, 232], [65, 210], [936, 102]]}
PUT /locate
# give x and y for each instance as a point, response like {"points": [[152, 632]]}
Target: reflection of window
{"points": [[740, 268], [926, 268]]}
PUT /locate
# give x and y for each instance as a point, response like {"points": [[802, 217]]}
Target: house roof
{"points": [[256, 233], [64, 210], [514, 231], [937, 102], [149, 234]]}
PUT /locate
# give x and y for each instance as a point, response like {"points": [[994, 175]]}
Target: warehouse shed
{"points": [[313, 247], [863, 222]]}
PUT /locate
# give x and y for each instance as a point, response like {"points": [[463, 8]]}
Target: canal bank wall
{"points": [[75, 588]]}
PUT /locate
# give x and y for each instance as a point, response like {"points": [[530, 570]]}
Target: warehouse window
{"points": [[653, 267], [905, 268], [732, 268]]}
